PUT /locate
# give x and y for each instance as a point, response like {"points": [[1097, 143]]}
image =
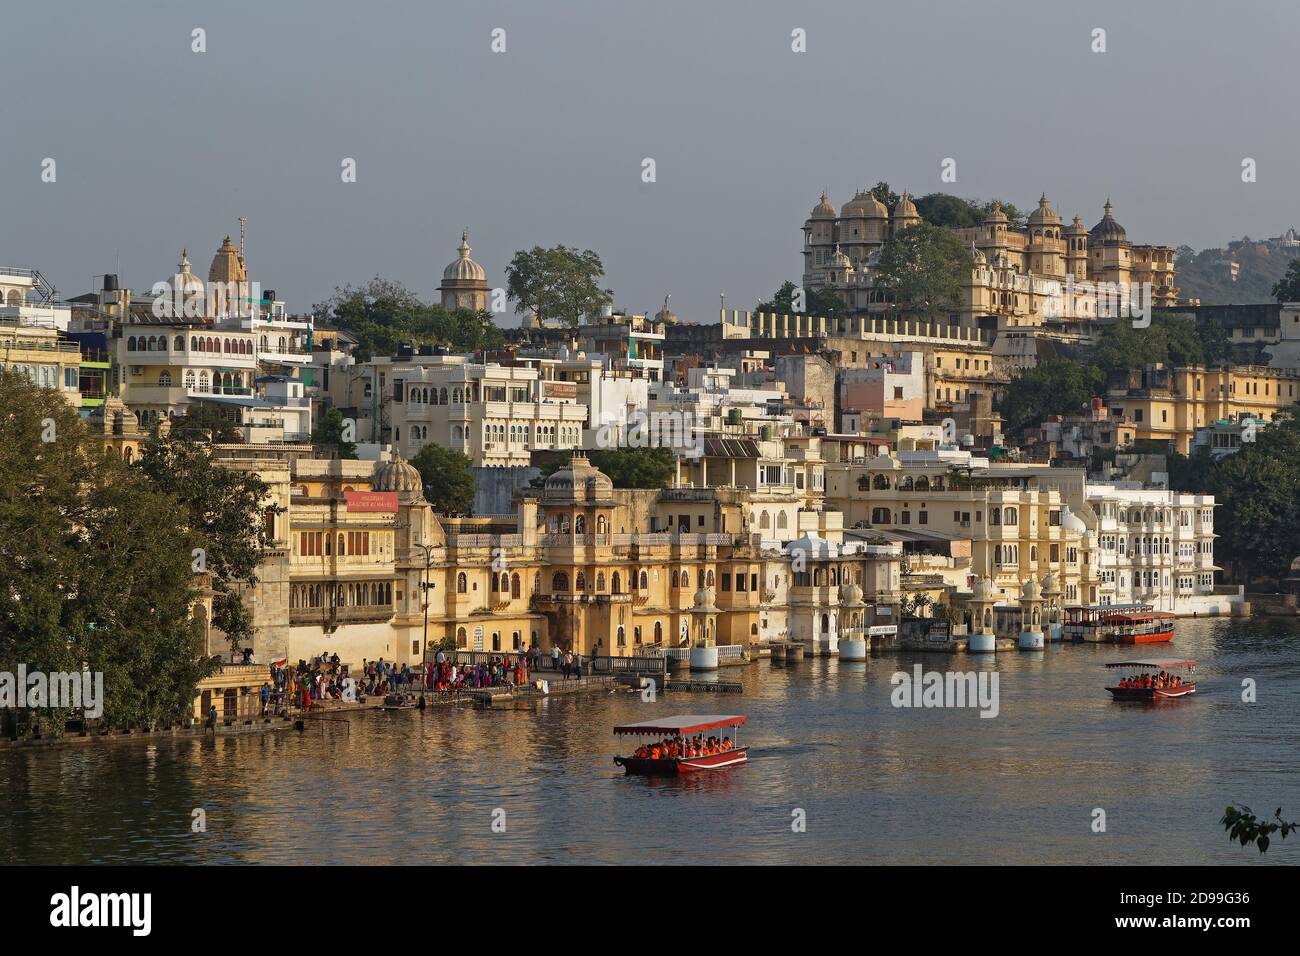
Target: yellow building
{"points": [[1169, 404], [1019, 272], [45, 359]]}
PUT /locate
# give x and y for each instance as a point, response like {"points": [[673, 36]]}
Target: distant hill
{"points": [[1206, 275]]}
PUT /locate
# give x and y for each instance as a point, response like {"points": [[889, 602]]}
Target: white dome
{"points": [[463, 268], [1071, 521]]}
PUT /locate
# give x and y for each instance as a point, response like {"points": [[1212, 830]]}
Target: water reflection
{"points": [[877, 784]]}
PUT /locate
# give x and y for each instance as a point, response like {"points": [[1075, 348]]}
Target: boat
{"points": [[1118, 624], [1153, 665], [682, 725]]}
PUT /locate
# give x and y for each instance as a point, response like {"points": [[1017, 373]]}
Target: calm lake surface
{"points": [[878, 784]]}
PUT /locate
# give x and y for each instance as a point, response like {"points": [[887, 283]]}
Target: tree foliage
{"points": [[448, 478], [382, 313], [942, 209], [1287, 288], [95, 564], [1258, 493], [557, 283], [625, 467], [330, 432], [1170, 339], [816, 302], [1055, 386], [922, 268], [225, 510], [1244, 827]]}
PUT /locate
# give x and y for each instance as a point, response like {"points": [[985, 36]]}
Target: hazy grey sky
{"points": [[158, 147]]}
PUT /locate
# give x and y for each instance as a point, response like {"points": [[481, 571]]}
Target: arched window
{"points": [[600, 581], [462, 639], [559, 582], [686, 579], [514, 587], [765, 521], [580, 582], [579, 524], [165, 378], [178, 344], [462, 583], [615, 584], [880, 482], [644, 582], [622, 637], [781, 522], [130, 343], [676, 579], [659, 632]]}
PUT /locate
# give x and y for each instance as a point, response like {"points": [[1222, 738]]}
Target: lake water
{"points": [[877, 784]]}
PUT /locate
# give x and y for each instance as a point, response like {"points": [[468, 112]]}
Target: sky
{"points": [[157, 147]]}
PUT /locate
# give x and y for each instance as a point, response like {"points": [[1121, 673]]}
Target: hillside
{"points": [[1205, 274]]}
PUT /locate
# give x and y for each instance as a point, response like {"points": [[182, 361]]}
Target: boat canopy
{"points": [[682, 724], [1140, 617], [1155, 663]]}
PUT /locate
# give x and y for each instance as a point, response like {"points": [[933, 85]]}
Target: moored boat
{"points": [[1118, 624], [682, 747], [1152, 679]]}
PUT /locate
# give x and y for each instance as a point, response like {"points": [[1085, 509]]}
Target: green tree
{"points": [[203, 422], [1287, 288], [1055, 386], [448, 478], [226, 510], [1244, 827], [383, 313], [885, 195], [1170, 339], [329, 432], [625, 467], [922, 268], [816, 302], [557, 283], [95, 563], [941, 209]]}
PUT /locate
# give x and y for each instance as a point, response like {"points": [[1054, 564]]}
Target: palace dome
{"points": [[1108, 228], [463, 268], [824, 209], [579, 480], [1044, 215], [1032, 591], [864, 205], [705, 601], [397, 475], [184, 281], [906, 209], [1071, 521], [851, 594]]}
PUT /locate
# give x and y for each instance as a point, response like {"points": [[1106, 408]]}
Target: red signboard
{"points": [[371, 500]]}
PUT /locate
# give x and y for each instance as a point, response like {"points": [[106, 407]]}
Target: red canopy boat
{"points": [[1156, 689], [1118, 624], [685, 727]]}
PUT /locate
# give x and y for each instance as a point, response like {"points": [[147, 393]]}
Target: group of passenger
{"points": [[1160, 681], [674, 748]]}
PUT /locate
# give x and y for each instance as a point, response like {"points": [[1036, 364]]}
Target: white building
{"points": [[1156, 547], [27, 299], [495, 414]]}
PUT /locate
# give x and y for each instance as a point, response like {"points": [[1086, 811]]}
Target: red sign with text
{"points": [[371, 500]]}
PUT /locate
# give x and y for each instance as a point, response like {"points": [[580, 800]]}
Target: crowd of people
{"points": [[325, 676], [672, 748], [1160, 681], [302, 684]]}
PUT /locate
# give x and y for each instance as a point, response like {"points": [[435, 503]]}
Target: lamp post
{"points": [[425, 588]]}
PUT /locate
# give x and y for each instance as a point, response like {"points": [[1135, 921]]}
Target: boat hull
{"points": [[1155, 637], [1151, 693], [673, 767]]}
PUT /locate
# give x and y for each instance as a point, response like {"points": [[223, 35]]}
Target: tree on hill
{"points": [[922, 268], [557, 283], [1287, 288], [1055, 386], [448, 478], [1170, 339], [1258, 493]]}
